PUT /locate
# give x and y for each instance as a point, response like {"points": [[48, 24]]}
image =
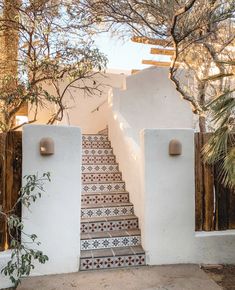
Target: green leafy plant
{"points": [[21, 243]]}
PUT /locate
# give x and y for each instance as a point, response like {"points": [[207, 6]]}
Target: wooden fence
{"points": [[10, 177], [215, 204]]}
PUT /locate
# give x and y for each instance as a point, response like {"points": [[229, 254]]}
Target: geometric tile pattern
{"points": [[112, 262], [96, 144], [103, 187], [101, 177], [110, 236], [92, 159], [97, 168], [97, 151], [105, 198], [101, 226], [107, 211], [115, 242], [94, 137]]}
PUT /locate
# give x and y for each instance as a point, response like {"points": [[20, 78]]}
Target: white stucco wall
{"points": [[55, 218], [80, 105], [150, 100], [4, 258], [127, 151], [162, 190]]}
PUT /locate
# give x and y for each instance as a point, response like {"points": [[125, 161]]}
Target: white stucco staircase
{"points": [[110, 236]]}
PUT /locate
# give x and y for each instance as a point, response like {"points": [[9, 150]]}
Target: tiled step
{"points": [[96, 144], [99, 168], [112, 209], [112, 239], [103, 187], [104, 159], [116, 223], [110, 236], [101, 151], [94, 137], [104, 131], [112, 258], [106, 197], [101, 177]]}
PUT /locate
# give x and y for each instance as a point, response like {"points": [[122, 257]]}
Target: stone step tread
{"points": [[111, 234], [108, 223], [105, 205], [97, 152], [96, 146], [104, 193], [101, 177], [101, 173], [102, 168], [102, 165], [98, 160], [104, 198], [108, 219], [107, 140], [94, 134], [103, 186], [107, 242], [104, 182], [96, 141], [112, 252]]}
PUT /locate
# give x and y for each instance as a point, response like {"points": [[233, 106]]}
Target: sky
{"points": [[124, 55]]}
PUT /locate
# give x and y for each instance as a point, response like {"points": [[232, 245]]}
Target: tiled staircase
{"points": [[110, 236]]}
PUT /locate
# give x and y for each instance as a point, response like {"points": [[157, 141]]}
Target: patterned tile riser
{"points": [[103, 187], [105, 159], [104, 243], [93, 168], [112, 262], [94, 138], [98, 152], [109, 226], [106, 198], [106, 211], [96, 144], [101, 177]]}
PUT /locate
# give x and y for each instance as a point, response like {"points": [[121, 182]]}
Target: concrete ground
{"points": [[175, 277]]}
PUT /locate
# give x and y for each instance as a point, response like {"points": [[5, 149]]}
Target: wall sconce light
{"points": [[47, 146], [175, 147]]}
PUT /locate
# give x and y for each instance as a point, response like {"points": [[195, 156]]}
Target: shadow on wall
{"points": [[87, 111]]}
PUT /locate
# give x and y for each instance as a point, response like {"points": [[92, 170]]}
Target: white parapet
{"points": [[55, 218]]}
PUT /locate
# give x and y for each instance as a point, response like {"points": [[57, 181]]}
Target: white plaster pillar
{"points": [[168, 185], [55, 218]]}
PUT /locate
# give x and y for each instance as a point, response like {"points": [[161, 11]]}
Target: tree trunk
{"points": [[9, 44], [202, 124]]}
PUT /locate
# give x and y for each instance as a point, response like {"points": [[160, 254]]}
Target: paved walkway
{"points": [[176, 277]]}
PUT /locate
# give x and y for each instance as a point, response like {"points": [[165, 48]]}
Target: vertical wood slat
{"points": [[2, 187], [198, 183], [11, 172], [214, 203], [231, 208], [204, 191], [208, 180]]}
